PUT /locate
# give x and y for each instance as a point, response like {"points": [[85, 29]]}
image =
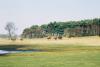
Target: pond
{"points": [[25, 51], [4, 52]]}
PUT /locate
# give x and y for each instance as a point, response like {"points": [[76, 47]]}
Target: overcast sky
{"points": [[25, 13]]}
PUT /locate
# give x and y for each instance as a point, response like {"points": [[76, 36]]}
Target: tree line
{"points": [[87, 27]]}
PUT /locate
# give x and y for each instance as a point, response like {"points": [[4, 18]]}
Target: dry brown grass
{"points": [[91, 41]]}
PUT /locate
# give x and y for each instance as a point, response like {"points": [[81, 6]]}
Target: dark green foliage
{"points": [[89, 27]]}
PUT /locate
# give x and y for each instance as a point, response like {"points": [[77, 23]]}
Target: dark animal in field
{"points": [[13, 39], [48, 37], [60, 37], [55, 38], [21, 39]]}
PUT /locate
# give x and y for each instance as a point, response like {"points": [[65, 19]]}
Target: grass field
{"points": [[74, 52]]}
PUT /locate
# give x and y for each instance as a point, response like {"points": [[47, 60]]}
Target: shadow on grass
{"points": [[19, 47], [4, 55], [44, 48]]}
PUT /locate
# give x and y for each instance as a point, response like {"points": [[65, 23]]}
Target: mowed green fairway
{"points": [[52, 59], [53, 55]]}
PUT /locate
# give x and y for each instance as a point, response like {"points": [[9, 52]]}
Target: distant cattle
{"points": [[21, 39], [13, 39], [59, 37], [55, 38], [48, 37]]}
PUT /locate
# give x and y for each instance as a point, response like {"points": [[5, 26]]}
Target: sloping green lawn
{"points": [[68, 58]]}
